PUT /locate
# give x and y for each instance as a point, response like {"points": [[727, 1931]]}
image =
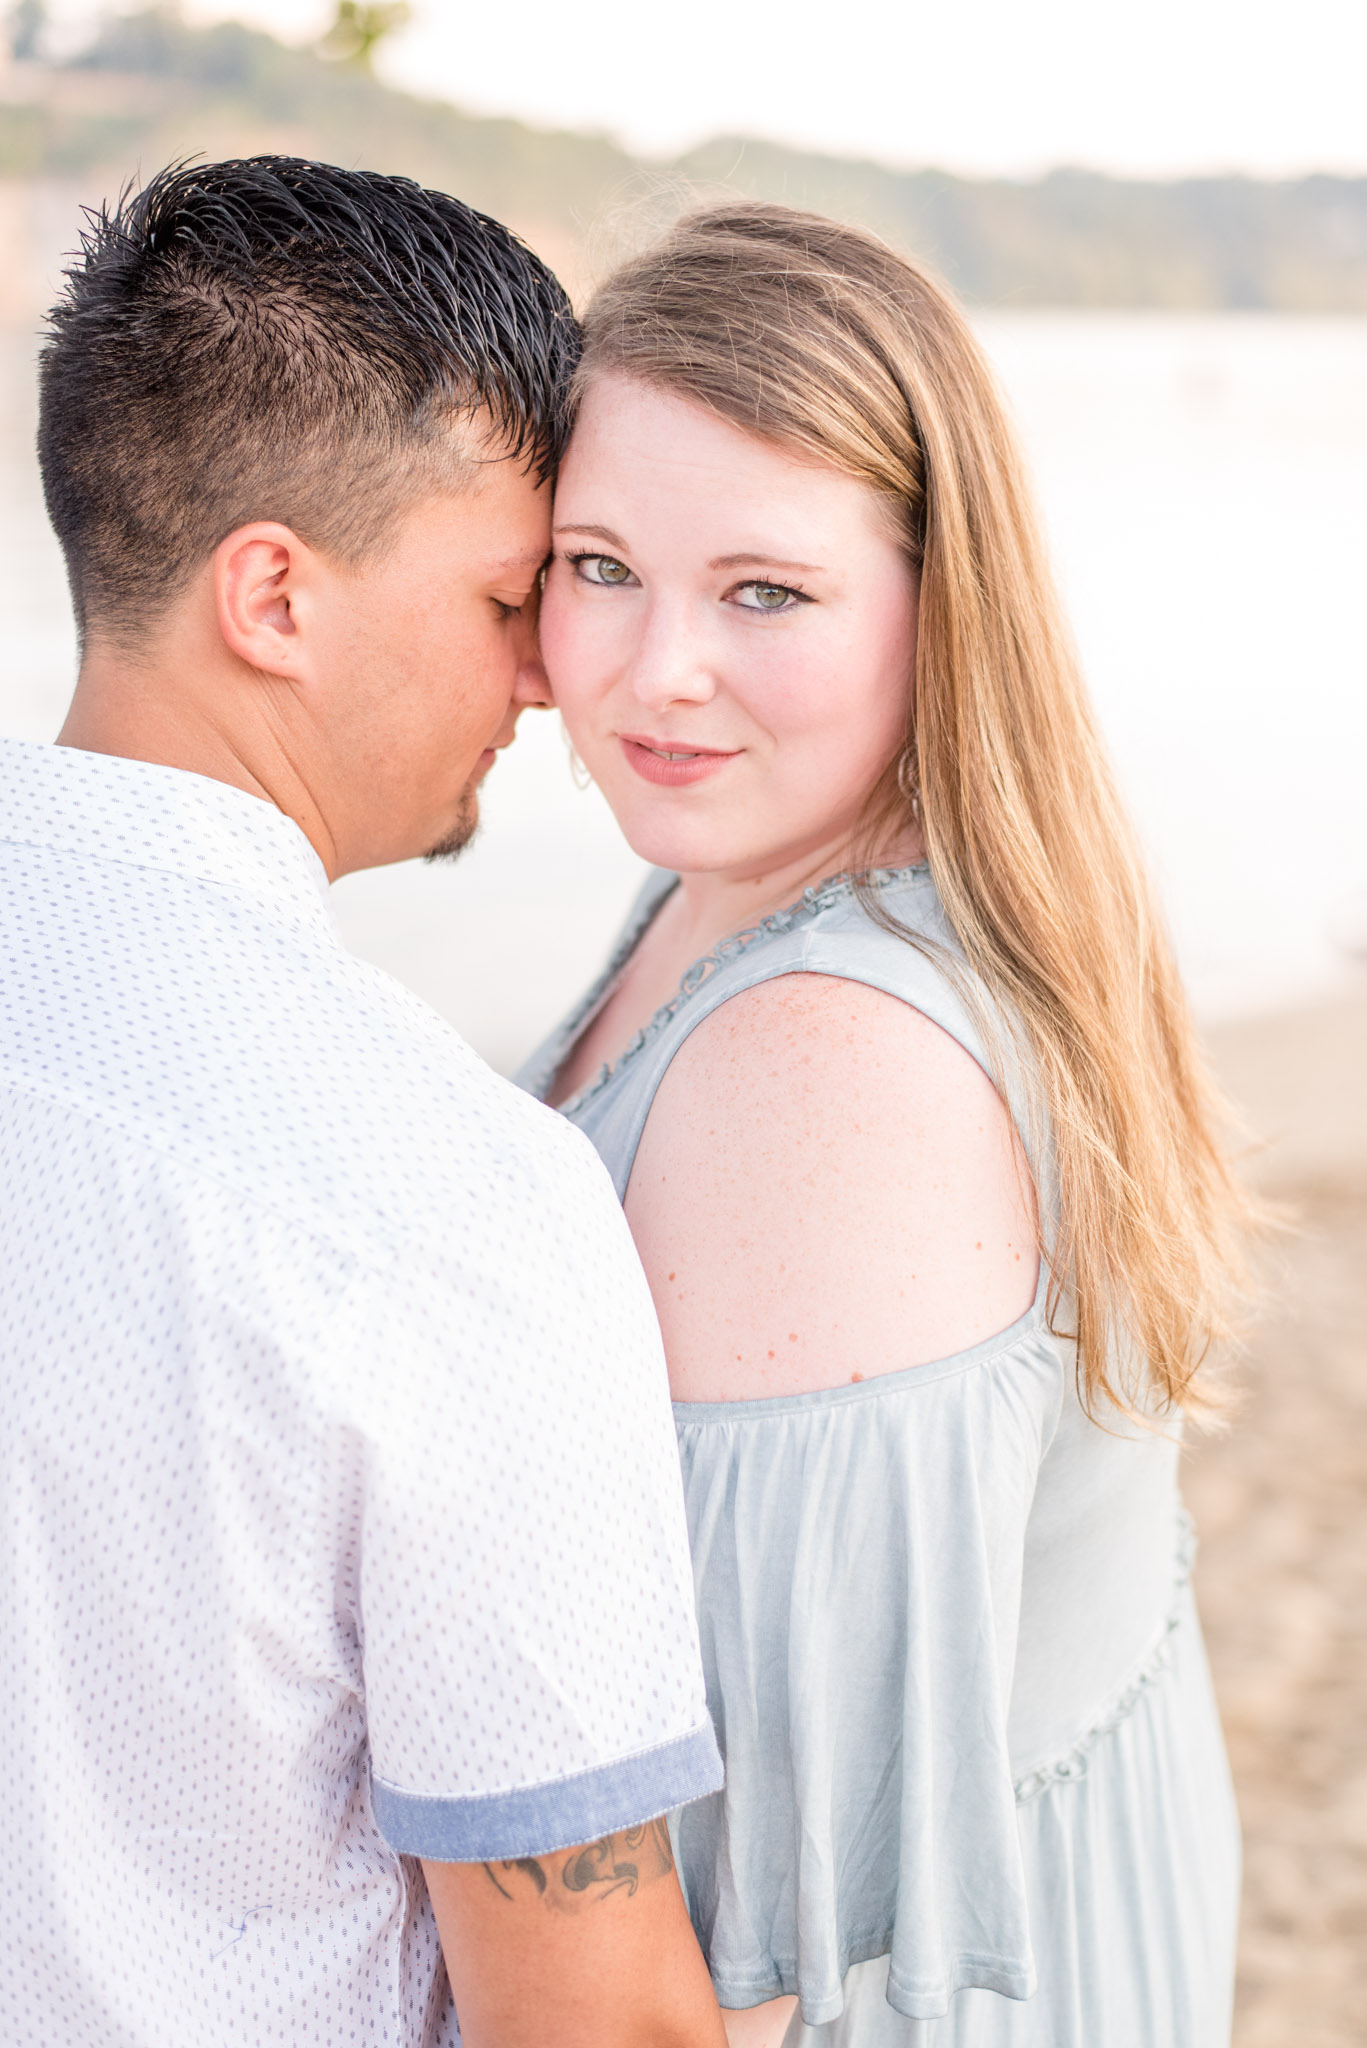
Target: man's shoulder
{"points": [[255, 1050], [381, 1118], [426, 1087]]}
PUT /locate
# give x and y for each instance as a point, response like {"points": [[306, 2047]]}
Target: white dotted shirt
{"points": [[340, 1509]]}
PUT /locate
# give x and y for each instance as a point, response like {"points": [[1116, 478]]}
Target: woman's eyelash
{"points": [[794, 590], [577, 560]]}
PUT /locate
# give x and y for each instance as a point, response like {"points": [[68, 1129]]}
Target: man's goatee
{"points": [[461, 833]]}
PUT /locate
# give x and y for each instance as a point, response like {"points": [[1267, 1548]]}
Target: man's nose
{"points": [[532, 688], [532, 685]]}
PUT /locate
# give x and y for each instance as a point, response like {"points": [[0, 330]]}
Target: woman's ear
{"points": [[260, 576]]}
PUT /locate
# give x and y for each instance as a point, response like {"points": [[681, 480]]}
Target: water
{"points": [[1204, 484]]}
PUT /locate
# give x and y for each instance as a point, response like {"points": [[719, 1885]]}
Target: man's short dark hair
{"points": [[276, 339]]}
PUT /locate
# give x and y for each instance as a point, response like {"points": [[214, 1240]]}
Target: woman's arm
{"points": [[828, 1187]]}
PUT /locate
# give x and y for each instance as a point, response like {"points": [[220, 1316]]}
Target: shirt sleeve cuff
{"points": [[535, 1820]]}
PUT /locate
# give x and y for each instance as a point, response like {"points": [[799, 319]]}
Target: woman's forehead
{"points": [[653, 452]]}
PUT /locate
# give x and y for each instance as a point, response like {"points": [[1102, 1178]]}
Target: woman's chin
{"points": [[695, 850]]}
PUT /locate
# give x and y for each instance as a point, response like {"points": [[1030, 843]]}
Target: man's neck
{"points": [[133, 707]]}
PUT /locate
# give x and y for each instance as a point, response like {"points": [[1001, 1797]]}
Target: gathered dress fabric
{"points": [[976, 1791]]}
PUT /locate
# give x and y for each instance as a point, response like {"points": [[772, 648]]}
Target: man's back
{"points": [[315, 1339]]}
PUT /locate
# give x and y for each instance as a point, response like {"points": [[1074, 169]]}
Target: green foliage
{"points": [[358, 29], [151, 88], [158, 44]]}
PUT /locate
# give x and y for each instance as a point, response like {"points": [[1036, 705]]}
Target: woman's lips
{"points": [[675, 766]]}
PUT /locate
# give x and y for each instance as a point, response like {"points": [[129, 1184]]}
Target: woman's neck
{"points": [[709, 904], [702, 911]]}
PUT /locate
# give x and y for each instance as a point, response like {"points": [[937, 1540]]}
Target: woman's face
{"points": [[729, 633]]}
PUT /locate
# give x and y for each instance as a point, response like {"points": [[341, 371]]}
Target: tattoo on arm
{"points": [[526, 1864], [568, 1882]]}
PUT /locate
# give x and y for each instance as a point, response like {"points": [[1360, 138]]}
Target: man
{"points": [[341, 1524]]}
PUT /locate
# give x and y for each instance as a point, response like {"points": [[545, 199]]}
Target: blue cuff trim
{"points": [[537, 1819]]}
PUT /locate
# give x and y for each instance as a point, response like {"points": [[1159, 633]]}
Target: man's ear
{"points": [[261, 575]]}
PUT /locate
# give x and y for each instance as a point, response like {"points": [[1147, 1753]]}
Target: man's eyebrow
{"points": [[749, 561], [530, 559], [614, 540]]}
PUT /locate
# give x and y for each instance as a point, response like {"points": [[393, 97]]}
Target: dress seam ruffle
{"points": [[1072, 1763]]}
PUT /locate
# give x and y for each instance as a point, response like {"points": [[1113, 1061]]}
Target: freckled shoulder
{"points": [[828, 1187]]}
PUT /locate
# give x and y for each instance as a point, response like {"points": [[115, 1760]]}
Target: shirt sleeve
{"points": [[528, 1638]]}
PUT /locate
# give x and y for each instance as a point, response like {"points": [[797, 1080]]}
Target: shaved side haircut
{"points": [[276, 339]]}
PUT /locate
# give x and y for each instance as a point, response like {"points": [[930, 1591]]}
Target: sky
{"points": [[998, 87]]}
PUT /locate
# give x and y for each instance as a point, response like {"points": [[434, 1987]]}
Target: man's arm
{"points": [[586, 1948]]}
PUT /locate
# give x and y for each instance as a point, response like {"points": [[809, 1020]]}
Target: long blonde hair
{"points": [[818, 337]]}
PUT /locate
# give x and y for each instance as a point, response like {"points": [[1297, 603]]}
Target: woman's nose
{"points": [[670, 665]]}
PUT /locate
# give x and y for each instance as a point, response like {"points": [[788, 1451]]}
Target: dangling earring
{"points": [[579, 774], [907, 784]]}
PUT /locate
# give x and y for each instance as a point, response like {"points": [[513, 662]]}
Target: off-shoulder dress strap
{"points": [[913, 957]]}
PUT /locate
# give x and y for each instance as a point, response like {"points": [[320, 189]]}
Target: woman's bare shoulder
{"points": [[828, 1187]]}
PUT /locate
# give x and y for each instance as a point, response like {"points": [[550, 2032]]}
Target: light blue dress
{"points": [[976, 1791]]}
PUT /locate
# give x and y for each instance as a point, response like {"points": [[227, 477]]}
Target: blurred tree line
{"points": [[151, 88]]}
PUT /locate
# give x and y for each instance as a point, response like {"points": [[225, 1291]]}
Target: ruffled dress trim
{"points": [[1073, 1762], [813, 903]]}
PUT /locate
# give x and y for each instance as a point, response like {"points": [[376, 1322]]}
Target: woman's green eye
{"points": [[602, 569], [768, 597]]}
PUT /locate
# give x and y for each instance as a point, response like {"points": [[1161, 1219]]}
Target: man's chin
{"points": [[461, 833]]}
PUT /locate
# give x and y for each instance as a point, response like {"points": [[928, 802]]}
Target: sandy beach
{"points": [[1281, 1505]]}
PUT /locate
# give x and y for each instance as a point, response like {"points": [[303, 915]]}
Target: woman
{"points": [[893, 1073]]}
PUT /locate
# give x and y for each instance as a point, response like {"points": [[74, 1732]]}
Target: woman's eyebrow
{"points": [[749, 561], [614, 540]]}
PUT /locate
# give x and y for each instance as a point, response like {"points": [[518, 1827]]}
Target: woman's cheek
{"points": [[557, 643], [579, 648], [566, 652], [797, 693]]}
